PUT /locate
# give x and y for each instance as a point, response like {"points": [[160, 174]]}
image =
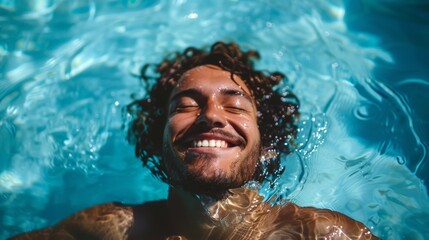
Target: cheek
{"points": [[176, 125], [249, 126], [252, 129], [257, 133], [171, 128]]}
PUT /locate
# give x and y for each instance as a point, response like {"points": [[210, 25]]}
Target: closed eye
{"points": [[183, 104], [235, 109], [186, 108]]}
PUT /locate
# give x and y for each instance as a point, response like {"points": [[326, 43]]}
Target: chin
{"points": [[201, 173], [215, 184]]}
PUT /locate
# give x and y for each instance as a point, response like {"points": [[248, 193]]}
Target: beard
{"points": [[189, 174]]}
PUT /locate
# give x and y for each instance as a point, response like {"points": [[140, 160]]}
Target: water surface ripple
{"points": [[67, 70]]}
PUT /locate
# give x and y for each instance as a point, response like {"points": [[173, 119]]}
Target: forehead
{"points": [[210, 78]]}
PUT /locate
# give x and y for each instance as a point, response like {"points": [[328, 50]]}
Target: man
{"points": [[212, 128]]}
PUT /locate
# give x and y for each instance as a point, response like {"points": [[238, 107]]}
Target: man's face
{"points": [[211, 140]]}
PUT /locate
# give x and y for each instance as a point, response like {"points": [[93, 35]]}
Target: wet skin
{"points": [[211, 146], [240, 216], [211, 140]]}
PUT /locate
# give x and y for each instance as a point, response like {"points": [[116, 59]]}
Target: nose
{"points": [[211, 116]]}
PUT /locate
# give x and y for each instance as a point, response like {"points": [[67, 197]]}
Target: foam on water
{"points": [[67, 72]]}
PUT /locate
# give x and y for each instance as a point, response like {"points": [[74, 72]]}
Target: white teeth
{"points": [[210, 143]]}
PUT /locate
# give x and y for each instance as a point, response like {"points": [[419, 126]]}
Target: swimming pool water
{"points": [[359, 68]]}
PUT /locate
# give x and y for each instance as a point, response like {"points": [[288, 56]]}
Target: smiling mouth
{"points": [[212, 143], [214, 139]]}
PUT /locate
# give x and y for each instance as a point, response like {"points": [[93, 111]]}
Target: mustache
{"points": [[191, 134]]}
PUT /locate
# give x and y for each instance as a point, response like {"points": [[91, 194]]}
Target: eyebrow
{"points": [[234, 92], [224, 91], [188, 92]]}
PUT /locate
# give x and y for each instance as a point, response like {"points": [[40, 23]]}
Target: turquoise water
{"points": [[358, 67]]}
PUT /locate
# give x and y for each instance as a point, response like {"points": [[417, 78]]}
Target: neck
{"points": [[204, 217], [207, 209]]}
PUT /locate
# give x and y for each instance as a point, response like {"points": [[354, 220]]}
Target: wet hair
{"points": [[277, 110]]}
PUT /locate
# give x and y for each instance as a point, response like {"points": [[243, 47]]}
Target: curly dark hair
{"points": [[277, 110]]}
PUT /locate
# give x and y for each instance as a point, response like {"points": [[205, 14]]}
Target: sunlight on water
{"points": [[67, 71]]}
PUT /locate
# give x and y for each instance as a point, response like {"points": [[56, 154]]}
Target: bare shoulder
{"points": [[105, 221], [323, 223]]}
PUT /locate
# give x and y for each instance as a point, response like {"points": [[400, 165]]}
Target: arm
{"points": [[107, 221]]}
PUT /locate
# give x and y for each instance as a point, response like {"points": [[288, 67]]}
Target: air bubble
{"points": [[365, 112], [192, 15], [401, 160]]}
